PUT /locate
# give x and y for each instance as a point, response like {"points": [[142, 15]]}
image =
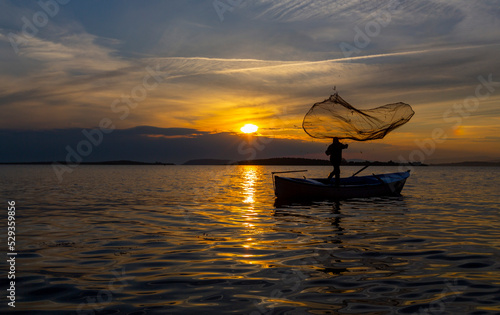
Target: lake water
{"points": [[210, 240]]}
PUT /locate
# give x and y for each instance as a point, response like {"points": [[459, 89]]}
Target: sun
{"points": [[249, 128]]}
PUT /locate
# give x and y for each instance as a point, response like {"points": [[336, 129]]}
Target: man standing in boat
{"points": [[335, 153]]}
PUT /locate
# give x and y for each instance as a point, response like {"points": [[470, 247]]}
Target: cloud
{"points": [[222, 86], [151, 144], [77, 52], [146, 143], [266, 63]]}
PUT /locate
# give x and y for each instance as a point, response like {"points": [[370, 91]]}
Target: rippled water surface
{"points": [[211, 240]]}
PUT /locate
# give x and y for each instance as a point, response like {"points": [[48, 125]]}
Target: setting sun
{"points": [[249, 128]]}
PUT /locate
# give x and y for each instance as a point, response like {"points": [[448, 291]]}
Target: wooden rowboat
{"points": [[350, 187]]}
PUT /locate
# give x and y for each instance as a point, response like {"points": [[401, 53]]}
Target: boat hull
{"points": [[351, 187]]}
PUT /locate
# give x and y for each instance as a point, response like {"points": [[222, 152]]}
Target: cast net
{"points": [[334, 117]]}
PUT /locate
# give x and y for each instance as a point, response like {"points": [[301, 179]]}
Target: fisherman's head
{"points": [[335, 139]]}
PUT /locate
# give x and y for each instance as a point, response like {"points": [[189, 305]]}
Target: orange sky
{"points": [[264, 64]]}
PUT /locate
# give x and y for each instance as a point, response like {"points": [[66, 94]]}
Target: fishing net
{"points": [[334, 117]]}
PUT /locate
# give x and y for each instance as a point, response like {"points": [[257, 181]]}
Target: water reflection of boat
{"points": [[339, 237], [323, 258], [350, 187]]}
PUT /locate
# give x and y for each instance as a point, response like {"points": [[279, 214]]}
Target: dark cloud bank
{"points": [[144, 143]]}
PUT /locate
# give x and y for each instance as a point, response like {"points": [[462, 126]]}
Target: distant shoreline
{"points": [[271, 161], [120, 162]]}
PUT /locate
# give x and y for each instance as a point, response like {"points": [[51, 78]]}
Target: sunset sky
{"points": [[178, 79]]}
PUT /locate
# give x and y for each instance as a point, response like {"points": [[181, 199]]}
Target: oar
{"points": [[364, 168]]}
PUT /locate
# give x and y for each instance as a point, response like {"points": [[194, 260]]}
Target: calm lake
{"points": [[210, 240]]}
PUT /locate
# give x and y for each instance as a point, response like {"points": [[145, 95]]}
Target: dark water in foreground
{"points": [[209, 240]]}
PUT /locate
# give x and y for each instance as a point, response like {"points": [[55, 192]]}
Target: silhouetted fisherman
{"points": [[335, 153]]}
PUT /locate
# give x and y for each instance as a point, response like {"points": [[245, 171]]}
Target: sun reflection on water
{"points": [[231, 249], [249, 179]]}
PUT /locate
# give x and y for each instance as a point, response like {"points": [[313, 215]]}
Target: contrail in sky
{"points": [[284, 64]]}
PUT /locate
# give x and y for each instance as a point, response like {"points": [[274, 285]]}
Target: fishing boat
{"points": [[350, 187], [336, 119]]}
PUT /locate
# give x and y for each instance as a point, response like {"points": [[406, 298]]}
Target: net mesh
{"points": [[334, 117]]}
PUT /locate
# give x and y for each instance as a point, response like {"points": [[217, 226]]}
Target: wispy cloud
{"points": [[268, 62]]}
